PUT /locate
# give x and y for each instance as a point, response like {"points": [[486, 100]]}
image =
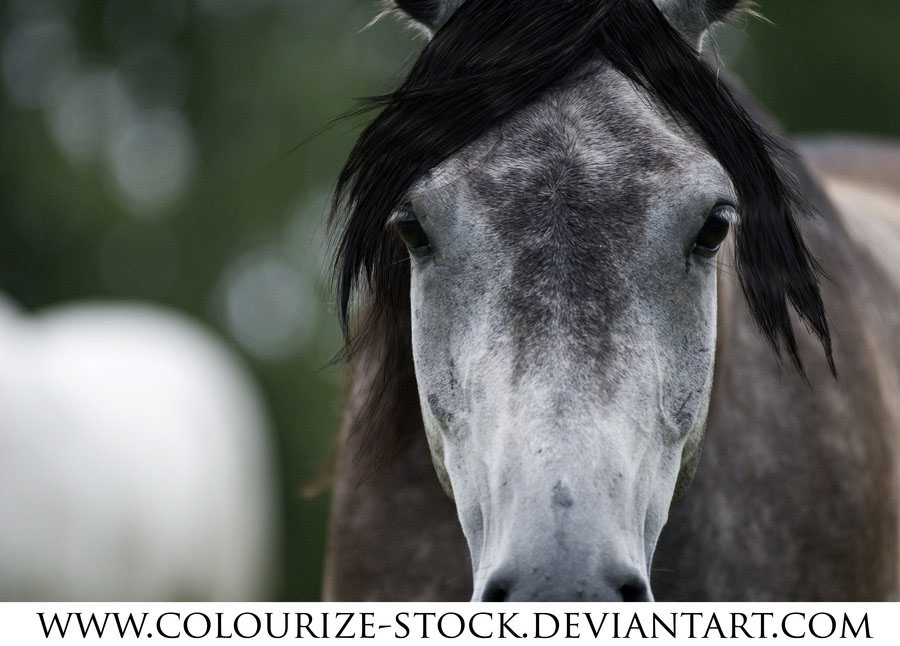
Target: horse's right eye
{"points": [[714, 231], [411, 232]]}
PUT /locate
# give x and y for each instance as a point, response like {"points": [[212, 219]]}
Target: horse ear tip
{"points": [[424, 12], [721, 9]]}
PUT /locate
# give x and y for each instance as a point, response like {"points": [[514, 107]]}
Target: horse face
{"points": [[563, 323], [562, 266]]}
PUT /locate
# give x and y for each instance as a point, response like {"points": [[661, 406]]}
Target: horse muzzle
{"points": [[536, 584]]}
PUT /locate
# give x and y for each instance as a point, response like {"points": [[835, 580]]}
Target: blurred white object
{"points": [[134, 460]]}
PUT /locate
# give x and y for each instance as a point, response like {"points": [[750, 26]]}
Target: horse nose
{"points": [[496, 590], [635, 590], [625, 585]]}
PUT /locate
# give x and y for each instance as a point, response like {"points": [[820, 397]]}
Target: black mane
{"points": [[490, 59]]}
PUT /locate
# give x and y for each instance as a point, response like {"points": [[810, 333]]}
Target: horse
{"points": [[135, 460], [572, 252]]}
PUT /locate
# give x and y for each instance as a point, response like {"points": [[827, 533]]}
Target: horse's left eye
{"points": [[714, 231], [411, 232]]}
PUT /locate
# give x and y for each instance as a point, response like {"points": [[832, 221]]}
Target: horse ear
{"points": [[693, 18], [430, 14]]}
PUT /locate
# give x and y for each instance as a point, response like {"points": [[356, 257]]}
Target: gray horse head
{"points": [[561, 175]]}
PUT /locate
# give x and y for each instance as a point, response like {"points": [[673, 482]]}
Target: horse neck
{"points": [[398, 512]]}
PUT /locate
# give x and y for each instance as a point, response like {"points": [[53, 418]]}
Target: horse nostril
{"points": [[496, 591], [634, 591]]}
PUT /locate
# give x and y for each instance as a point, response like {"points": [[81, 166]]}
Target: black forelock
{"points": [[425, 11], [493, 57]]}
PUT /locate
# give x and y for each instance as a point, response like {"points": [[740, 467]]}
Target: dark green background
{"points": [[234, 86]]}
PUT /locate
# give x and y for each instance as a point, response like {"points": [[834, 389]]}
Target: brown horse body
{"points": [[796, 495]]}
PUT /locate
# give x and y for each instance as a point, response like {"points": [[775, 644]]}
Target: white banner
{"points": [[544, 623]]}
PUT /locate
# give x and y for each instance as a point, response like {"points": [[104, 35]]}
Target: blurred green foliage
{"points": [[149, 149], [822, 65]]}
